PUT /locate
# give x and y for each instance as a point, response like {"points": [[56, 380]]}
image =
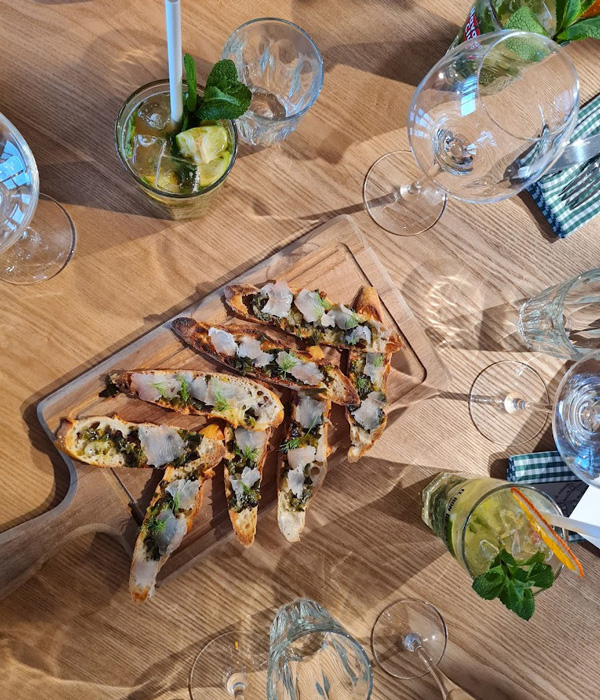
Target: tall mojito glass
{"points": [[477, 518], [183, 182]]}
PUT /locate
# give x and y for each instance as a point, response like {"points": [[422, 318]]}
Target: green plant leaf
{"points": [[489, 585], [223, 74], [525, 605], [582, 30], [192, 85], [538, 557], [525, 20], [224, 104], [567, 12], [541, 575]]}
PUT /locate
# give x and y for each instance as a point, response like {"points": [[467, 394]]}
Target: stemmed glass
{"points": [[507, 396], [37, 236], [409, 640], [486, 122]]}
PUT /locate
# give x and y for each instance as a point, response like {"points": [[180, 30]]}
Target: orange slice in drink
{"points": [[552, 540]]}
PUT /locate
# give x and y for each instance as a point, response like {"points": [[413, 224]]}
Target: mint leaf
{"points": [[525, 607], [582, 30], [509, 596], [229, 103], [223, 74], [541, 575], [190, 74], [504, 557], [489, 585], [567, 11], [537, 558], [524, 20]]}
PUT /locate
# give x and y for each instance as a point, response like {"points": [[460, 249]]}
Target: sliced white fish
{"points": [[186, 491], [295, 479], [328, 319], [309, 305], [374, 367], [280, 299], [321, 454], [344, 317], [218, 389], [161, 444], [143, 574], [367, 414], [309, 411], [223, 342], [359, 333], [264, 359], [301, 456], [152, 387], [250, 439], [199, 389], [250, 347], [307, 372], [170, 537], [248, 479]]}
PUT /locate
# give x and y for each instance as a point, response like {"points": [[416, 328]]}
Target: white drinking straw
{"points": [[573, 525], [175, 55]]}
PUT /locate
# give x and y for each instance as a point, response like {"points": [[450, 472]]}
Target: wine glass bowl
{"points": [[576, 419], [486, 122], [493, 114]]}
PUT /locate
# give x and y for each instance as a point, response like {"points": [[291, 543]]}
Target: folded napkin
{"points": [[565, 218], [550, 474]]}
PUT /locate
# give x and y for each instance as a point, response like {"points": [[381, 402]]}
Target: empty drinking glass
{"points": [[564, 320], [282, 66], [312, 657], [37, 236]]}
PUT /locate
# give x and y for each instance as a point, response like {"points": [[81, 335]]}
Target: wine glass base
{"points": [[44, 248], [399, 628], [231, 665], [491, 403], [393, 203]]}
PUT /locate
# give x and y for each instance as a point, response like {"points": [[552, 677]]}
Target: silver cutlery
{"points": [[585, 177]]}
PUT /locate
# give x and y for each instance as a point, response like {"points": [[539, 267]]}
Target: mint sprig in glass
{"points": [[181, 165]]}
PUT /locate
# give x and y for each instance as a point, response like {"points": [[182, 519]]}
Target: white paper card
{"points": [[588, 511]]}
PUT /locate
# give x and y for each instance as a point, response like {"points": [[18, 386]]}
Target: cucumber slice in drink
{"points": [[211, 172], [203, 143]]}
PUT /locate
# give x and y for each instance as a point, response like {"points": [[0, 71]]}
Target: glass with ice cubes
{"points": [[477, 517], [182, 181]]}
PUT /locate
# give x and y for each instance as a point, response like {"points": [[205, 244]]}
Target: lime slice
{"points": [[203, 143], [211, 172]]}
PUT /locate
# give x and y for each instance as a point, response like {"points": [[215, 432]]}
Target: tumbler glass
{"points": [[283, 68], [564, 320], [313, 657]]}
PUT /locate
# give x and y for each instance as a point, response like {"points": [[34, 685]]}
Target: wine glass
{"points": [[509, 397], [486, 122], [37, 235], [409, 640], [232, 665]]}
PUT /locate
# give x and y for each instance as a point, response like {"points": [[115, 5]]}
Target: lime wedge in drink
{"points": [[211, 172], [203, 143]]}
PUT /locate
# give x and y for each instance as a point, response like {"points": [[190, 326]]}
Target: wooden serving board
{"points": [[335, 258]]}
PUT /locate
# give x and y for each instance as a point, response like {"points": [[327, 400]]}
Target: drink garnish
{"points": [[225, 97], [551, 538], [512, 581]]}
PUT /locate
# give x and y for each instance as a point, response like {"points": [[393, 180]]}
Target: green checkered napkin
{"points": [[565, 218], [540, 468]]}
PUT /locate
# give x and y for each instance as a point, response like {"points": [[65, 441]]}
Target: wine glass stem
{"points": [[438, 677]]}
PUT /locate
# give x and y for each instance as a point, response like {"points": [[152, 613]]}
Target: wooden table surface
{"points": [[71, 631]]}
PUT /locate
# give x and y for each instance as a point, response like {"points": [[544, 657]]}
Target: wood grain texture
{"points": [[71, 631]]}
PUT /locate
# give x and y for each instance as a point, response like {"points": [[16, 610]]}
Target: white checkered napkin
{"points": [[540, 468], [562, 217]]}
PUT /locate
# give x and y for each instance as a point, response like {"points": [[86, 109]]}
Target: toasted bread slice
{"points": [[243, 468], [251, 352], [303, 462], [310, 315], [169, 516], [104, 441], [237, 400], [368, 373]]}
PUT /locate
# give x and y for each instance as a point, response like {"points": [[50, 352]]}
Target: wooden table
{"points": [[71, 631]]}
